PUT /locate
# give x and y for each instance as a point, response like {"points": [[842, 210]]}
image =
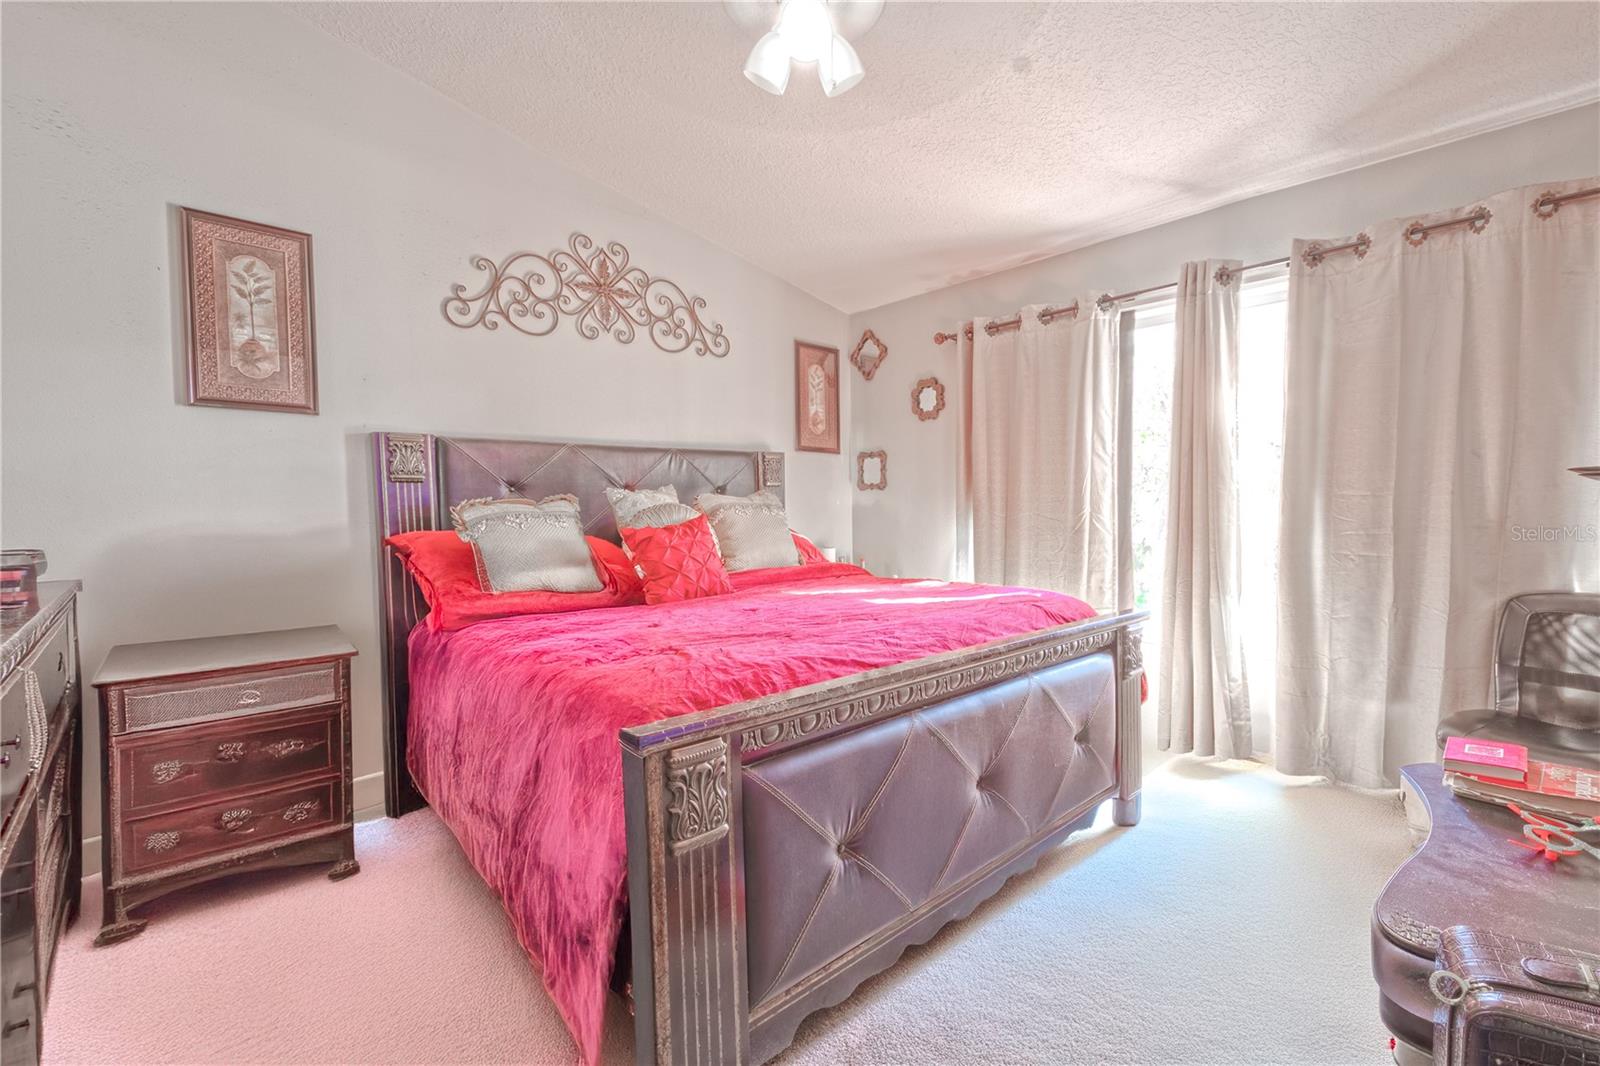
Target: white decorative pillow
{"points": [[625, 503], [752, 531], [523, 545]]}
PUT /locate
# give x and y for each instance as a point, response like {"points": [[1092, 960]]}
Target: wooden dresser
{"points": [[224, 754], [41, 852]]}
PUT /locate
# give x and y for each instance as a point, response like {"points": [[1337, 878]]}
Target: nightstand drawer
{"points": [[234, 824], [174, 765], [158, 706]]}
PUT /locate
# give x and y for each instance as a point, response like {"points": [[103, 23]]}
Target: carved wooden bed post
{"points": [[1125, 807], [689, 994]]}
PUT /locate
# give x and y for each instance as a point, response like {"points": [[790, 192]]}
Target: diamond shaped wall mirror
{"points": [[869, 354]]}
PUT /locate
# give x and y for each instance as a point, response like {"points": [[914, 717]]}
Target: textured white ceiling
{"points": [[985, 135]]}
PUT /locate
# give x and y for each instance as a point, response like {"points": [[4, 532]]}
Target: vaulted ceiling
{"points": [[985, 135]]}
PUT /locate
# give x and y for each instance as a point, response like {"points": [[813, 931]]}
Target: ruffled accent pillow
{"points": [[526, 545], [752, 531], [446, 571], [677, 562], [626, 503]]}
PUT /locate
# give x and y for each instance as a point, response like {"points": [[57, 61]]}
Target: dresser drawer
{"points": [[28, 700], [159, 705], [234, 824], [175, 765]]}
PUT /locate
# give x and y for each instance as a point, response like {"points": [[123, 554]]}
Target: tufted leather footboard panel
{"points": [[866, 830]]}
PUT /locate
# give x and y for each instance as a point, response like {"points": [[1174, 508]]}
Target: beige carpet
{"points": [[1230, 926]]}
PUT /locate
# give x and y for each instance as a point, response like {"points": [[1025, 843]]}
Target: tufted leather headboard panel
{"points": [[470, 468], [419, 477], [845, 838]]}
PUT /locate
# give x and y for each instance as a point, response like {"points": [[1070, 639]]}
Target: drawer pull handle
{"points": [[282, 749], [22, 986], [249, 697], [12, 1027], [236, 819], [166, 770], [230, 751], [163, 840], [299, 812], [14, 742]]}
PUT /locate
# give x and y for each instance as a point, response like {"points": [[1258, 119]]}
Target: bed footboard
{"points": [[783, 850]]}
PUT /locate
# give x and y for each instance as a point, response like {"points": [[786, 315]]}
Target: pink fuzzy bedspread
{"points": [[514, 722]]}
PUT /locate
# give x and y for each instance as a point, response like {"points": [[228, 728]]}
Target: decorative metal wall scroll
{"points": [[593, 284], [869, 354], [877, 465], [927, 399]]}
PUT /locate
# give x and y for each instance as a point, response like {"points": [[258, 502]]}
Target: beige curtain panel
{"points": [[1203, 701], [1438, 387], [1043, 456]]}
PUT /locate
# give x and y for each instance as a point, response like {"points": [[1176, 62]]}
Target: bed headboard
{"points": [[419, 477]]}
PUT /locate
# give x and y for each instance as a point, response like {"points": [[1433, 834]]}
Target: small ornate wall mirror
{"points": [[872, 470], [927, 399], [869, 354]]}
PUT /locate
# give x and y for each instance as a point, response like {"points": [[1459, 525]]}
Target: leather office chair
{"points": [[1546, 680]]}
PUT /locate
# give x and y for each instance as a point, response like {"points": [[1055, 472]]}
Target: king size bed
{"points": [[733, 810]]}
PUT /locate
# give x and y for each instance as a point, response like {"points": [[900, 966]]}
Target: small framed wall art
{"points": [[248, 308], [816, 397]]}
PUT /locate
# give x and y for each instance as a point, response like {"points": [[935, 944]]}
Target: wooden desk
{"points": [[1468, 873]]}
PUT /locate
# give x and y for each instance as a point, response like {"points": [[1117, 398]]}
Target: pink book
{"points": [[1496, 760]]}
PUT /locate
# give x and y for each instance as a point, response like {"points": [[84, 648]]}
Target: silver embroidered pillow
{"points": [[523, 545], [625, 503], [752, 531], [661, 514]]}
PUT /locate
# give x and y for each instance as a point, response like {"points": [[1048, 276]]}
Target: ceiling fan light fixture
{"points": [[840, 68], [768, 64], [807, 28], [807, 31]]}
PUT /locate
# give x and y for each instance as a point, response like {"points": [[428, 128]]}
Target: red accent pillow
{"points": [[678, 562], [809, 552], [446, 571]]}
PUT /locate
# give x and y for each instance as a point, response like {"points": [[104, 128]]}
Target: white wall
{"points": [[910, 527], [190, 520]]}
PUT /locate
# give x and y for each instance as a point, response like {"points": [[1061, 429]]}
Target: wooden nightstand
{"points": [[222, 754]]}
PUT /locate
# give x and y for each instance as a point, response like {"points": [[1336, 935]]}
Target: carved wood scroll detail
{"points": [[697, 784], [162, 840], [1132, 653], [595, 286], [407, 459], [921, 691], [771, 470]]}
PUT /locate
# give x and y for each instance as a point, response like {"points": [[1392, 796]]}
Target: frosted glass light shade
{"points": [[768, 65], [840, 68], [805, 28]]}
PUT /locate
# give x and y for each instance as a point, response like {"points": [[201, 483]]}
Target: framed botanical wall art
{"points": [[816, 397], [248, 306]]}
